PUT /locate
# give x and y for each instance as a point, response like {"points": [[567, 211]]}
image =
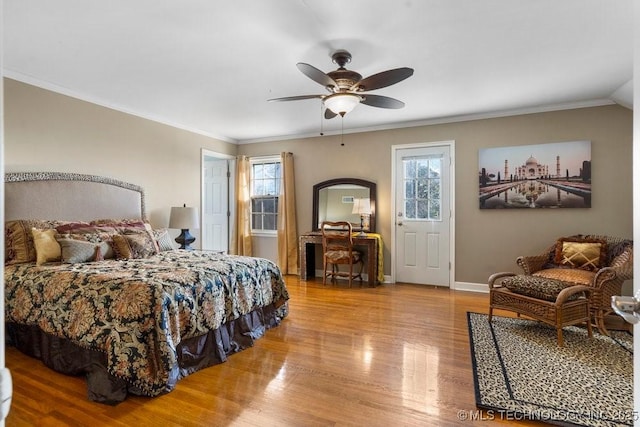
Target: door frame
{"points": [[452, 225], [231, 205]]}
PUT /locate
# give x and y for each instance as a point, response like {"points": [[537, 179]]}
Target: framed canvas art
{"points": [[552, 175]]}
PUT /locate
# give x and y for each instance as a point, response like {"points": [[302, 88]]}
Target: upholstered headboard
{"points": [[70, 196]]}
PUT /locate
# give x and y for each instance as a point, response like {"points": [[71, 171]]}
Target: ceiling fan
{"points": [[348, 89]]}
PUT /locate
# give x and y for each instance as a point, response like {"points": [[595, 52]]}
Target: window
{"points": [[265, 188], [422, 187]]}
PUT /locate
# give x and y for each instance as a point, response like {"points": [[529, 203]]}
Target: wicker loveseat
{"points": [[601, 263]]}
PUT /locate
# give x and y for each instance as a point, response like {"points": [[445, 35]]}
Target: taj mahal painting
{"points": [[553, 175]]}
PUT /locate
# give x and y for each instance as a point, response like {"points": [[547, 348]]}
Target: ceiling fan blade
{"points": [[316, 75], [328, 114], [383, 79], [381, 101], [295, 98]]}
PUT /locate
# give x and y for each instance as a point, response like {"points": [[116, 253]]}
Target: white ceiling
{"points": [[209, 66]]}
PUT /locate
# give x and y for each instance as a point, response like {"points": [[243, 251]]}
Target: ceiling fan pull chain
{"points": [[321, 121]]}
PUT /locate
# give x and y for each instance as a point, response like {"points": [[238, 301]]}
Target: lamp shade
{"points": [[362, 206], [342, 103], [184, 218]]}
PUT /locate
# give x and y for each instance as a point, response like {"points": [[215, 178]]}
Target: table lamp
{"points": [[362, 207], [184, 218]]}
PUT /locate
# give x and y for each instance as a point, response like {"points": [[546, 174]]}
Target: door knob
{"points": [[400, 224]]}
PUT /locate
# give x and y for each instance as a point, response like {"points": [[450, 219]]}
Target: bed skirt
{"points": [[193, 354]]}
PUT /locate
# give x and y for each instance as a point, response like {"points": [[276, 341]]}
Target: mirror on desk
{"points": [[338, 199]]}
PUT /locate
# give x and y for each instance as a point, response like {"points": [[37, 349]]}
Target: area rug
{"points": [[521, 373]]}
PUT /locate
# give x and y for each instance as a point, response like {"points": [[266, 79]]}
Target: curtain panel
{"points": [[287, 222], [241, 235]]}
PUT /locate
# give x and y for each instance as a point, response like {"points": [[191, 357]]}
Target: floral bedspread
{"points": [[137, 311]]}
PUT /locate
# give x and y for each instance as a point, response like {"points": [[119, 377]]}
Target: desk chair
{"points": [[337, 248]]}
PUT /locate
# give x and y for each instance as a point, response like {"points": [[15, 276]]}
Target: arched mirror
{"points": [[341, 199]]}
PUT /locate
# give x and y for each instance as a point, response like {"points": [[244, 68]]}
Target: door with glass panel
{"points": [[422, 215]]}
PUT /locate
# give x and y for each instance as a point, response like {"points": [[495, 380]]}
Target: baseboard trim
{"points": [[471, 287], [458, 286]]}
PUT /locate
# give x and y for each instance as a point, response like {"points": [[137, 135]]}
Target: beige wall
{"points": [[47, 131], [486, 240]]}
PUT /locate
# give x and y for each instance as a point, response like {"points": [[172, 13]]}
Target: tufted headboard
{"points": [[70, 196]]}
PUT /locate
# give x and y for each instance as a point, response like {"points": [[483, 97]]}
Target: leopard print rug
{"points": [[521, 373]]}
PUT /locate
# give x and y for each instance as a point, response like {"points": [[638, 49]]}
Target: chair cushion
{"points": [[537, 287], [342, 256], [573, 275]]}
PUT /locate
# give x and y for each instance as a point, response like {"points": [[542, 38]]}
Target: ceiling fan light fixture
{"points": [[342, 103], [347, 88]]}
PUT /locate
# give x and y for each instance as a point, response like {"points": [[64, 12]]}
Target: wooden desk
{"points": [[309, 241]]}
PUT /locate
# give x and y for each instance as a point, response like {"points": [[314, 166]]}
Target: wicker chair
{"points": [[603, 282]]}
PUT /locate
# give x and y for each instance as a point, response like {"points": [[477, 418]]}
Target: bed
{"points": [[118, 304]]}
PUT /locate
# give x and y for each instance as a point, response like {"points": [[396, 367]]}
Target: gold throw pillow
{"points": [[47, 247], [584, 254]]}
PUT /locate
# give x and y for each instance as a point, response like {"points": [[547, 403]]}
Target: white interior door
{"points": [[423, 215], [215, 204]]}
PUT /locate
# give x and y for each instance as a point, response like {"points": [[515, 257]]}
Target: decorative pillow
{"points": [[47, 248], [70, 226], [93, 237], [138, 245], [80, 228], [585, 254], [149, 231], [119, 222], [163, 238], [122, 225], [18, 244], [126, 226], [97, 239], [75, 251]]}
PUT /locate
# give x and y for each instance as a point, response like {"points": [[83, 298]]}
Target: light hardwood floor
{"points": [[394, 355]]}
